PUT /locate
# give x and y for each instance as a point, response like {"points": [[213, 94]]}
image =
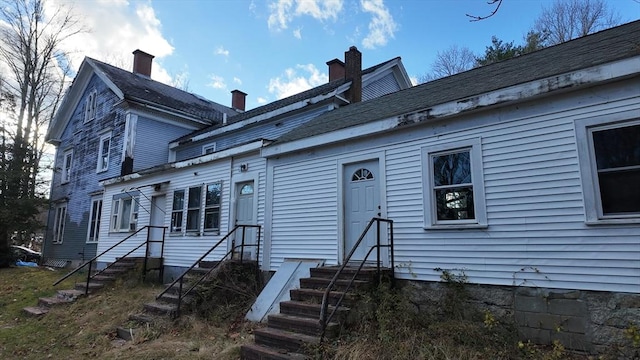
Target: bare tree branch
{"points": [[495, 10]]}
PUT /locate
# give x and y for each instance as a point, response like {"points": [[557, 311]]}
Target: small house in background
{"points": [[111, 122], [522, 176]]}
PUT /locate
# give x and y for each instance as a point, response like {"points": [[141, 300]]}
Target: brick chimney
{"points": [[238, 100], [142, 63], [353, 72], [336, 69]]}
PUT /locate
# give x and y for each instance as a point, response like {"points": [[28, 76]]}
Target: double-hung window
{"points": [[94, 221], [188, 209], [454, 185], [124, 214], [67, 161], [103, 153], [90, 106], [58, 223], [609, 152]]}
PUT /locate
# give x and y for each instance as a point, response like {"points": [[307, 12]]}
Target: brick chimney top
{"points": [[238, 100], [142, 63], [336, 69], [353, 72]]}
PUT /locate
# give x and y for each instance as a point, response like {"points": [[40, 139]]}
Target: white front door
{"points": [[158, 211], [361, 203], [245, 215]]}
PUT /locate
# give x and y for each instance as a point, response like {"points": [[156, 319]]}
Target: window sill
{"points": [[604, 222], [91, 242], [456, 227], [101, 171]]}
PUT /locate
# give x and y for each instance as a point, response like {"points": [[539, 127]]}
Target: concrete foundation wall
{"points": [[590, 321]]}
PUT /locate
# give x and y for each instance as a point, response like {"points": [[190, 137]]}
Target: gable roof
{"points": [[139, 89], [603, 47], [324, 89]]}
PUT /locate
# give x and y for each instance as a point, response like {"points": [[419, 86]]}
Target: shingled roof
{"points": [[139, 88], [308, 94], [599, 48]]}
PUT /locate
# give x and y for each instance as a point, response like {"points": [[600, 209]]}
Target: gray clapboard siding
{"points": [[152, 137], [385, 85]]}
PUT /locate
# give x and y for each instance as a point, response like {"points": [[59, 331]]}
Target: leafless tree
{"points": [[31, 35], [449, 62], [568, 19]]}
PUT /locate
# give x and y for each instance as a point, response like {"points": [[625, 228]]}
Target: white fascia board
{"points": [[520, 92], [268, 115], [152, 114], [238, 150], [106, 80]]}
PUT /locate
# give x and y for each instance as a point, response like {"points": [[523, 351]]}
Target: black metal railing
{"points": [[325, 318], [147, 242], [180, 279]]}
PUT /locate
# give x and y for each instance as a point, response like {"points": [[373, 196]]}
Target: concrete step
{"points": [[48, 302], [165, 309], [126, 333], [142, 318], [172, 298], [316, 295], [104, 278], [259, 352], [35, 310], [366, 273], [302, 309], [285, 340], [93, 286], [70, 294], [302, 325], [340, 284]]}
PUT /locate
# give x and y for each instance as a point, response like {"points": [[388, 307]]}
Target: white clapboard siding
{"points": [[536, 234]]}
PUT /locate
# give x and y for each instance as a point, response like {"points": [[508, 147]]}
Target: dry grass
{"points": [[87, 328]]}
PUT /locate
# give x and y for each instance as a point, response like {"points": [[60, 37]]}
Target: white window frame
{"points": [[90, 106], [594, 214], [197, 209], [59, 223], [208, 149], [217, 206], [93, 227], [117, 210], [102, 166], [474, 146], [66, 166], [183, 211], [177, 228]]}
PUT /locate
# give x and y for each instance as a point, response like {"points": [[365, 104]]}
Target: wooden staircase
{"points": [[293, 332], [118, 270]]}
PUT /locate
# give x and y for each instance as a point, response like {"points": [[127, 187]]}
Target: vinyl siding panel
{"points": [[385, 85], [152, 137], [536, 234]]}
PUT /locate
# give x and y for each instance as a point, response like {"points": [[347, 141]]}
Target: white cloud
{"points": [[237, 80], [284, 11], [217, 82], [381, 27], [262, 100], [297, 33], [222, 51], [292, 82], [115, 30]]}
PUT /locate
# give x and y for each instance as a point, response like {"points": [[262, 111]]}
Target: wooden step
{"points": [[259, 352], [302, 325], [280, 339], [339, 285], [316, 295], [302, 309]]}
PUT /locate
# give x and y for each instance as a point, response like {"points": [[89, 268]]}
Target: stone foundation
{"points": [[590, 321]]}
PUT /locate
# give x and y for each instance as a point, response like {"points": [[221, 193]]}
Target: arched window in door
{"points": [[361, 175]]}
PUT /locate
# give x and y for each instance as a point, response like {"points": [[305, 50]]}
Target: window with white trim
{"points": [[90, 106], [609, 152], [59, 222], [94, 221], [209, 149], [454, 185], [67, 161], [188, 208], [124, 214], [103, 153]]}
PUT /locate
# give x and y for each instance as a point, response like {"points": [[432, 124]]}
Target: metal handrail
{"points": [[324, 318], [180, 279], [90, 262]]}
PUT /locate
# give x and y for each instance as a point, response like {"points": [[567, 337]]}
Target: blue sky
{"points": [[271, 49]]}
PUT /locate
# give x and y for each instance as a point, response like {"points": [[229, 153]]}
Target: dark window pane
{"points": [[213, 194], [178, 200], [194, 197], [455, 203], [193, 219], [451, 169], [620, 191], [212, 219], [176, 221], [618, 147]]}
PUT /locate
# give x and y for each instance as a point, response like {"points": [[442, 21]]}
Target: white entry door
{"points": [[245, 215], [158, 211], [361, 203]]}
